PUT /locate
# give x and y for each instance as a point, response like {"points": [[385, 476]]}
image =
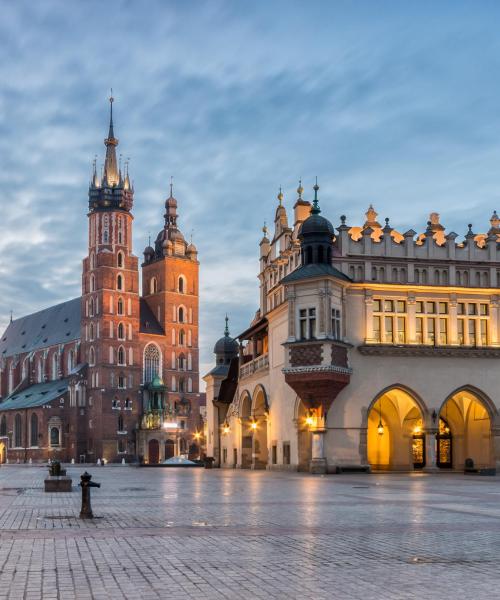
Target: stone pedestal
{"points": [[430, 451], [60, 483], [318, 460]]}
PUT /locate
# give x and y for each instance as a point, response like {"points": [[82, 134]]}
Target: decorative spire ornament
{"points": [[316, 209], [280, 197], [300, 189]]}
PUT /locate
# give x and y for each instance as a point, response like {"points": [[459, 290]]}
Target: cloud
{"points": [[389, 103]]}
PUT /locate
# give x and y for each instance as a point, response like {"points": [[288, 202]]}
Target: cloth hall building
{"points": [[371, 349], [112, 374]]}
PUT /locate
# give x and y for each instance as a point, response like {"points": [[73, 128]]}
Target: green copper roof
{"points": [[314, 270], [36, 395]]}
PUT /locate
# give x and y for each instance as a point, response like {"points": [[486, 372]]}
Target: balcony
{"points": [[260, 363], [317, 370]]}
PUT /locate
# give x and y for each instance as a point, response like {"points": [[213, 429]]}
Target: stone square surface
{"points": [[223, 534]]}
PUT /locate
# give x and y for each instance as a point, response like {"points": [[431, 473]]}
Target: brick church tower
{"points": [[170, 289], [111, 311]]}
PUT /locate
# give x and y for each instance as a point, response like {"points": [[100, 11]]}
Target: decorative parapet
{"points": [[257, 364], [431, 351]]}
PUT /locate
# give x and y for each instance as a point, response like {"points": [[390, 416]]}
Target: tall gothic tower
{"points": [[110, 310], [170, 288]]}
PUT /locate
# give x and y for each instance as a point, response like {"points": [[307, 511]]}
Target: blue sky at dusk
{"points": [[391, 103]]}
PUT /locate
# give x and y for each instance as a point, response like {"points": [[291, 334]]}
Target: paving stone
{"points": [[247, 534]]}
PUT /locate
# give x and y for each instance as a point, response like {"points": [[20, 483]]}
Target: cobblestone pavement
{"points": [[174, 533]]}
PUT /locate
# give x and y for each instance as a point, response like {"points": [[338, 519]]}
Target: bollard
{"points": [[86, 484], [99, 462], [72, 461], [123, 461]]}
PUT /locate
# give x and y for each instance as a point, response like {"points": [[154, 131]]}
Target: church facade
{"points": [[371, 349], [112, 374]]}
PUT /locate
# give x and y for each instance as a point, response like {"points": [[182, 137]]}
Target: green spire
{"points": [[316, 209], [226, 328]]}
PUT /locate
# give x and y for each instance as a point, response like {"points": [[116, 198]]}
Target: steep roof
{"points": [[36, 395], [314, 270], [54, 325], [148, 322]]}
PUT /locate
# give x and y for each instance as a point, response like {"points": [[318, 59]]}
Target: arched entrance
{"points": [[169, 449], [303, 436], [465, 431], [395, 439], [3, 453], [258, 427], [246, 430], [153, 452]]}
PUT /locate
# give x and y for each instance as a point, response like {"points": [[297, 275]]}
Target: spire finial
{"points": [[171, 186], [11, 313], [111, 100], [316, 209], [149, 239], [300, 189], [264, 229], [280, 196], [111, 171], [226, 328]]}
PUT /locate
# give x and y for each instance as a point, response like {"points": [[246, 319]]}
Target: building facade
{"points": [[112, 374], [371, 349]]}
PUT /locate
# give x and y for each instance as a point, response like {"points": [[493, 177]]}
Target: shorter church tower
{"points": [[170, 291]]}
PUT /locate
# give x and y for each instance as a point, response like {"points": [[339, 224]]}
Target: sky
{"points": [[391, 103]]}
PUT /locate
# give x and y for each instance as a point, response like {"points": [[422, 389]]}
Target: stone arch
{"points": [[395, 422], [469, 415], [480, 395], [245, 405], [260, 405], [396, 386]]}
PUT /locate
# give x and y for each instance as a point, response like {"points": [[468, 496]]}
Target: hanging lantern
{"points": [[380, 428]]}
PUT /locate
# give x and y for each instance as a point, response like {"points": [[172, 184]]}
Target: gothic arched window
{"points": [[54, 436], [55, 365], [121, 331], [182, 284], [120, 306], [91, 357], [182, 337], [120, 259], [18, 431], [181, 315], [152, 358], [34, 430], [120, 423], [153, 285], [119, 282], [121, 356]]}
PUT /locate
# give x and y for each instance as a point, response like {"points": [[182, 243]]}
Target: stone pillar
{"points": [[430, 451], [452, 322], [493, 329], [411, 323], [495, 434], [318, 460], [369, 318]]}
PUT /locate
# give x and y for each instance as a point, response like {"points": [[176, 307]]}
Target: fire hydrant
{"points": [[86, 484]]}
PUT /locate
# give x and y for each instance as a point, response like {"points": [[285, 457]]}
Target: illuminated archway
{"points": [[395, 439], [467, 414], [245, 414], [258, 428]]}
